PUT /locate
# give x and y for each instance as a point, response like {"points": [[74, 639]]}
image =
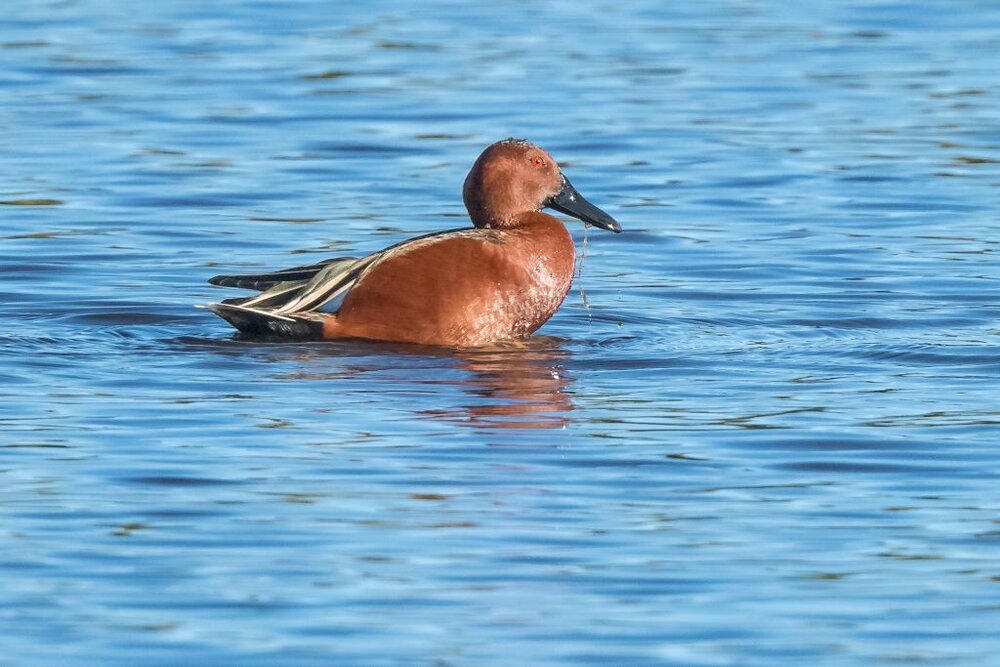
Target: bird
{"points": [[497, 281]]}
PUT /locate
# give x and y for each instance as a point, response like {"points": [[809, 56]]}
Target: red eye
{"points": [[537, 161]]}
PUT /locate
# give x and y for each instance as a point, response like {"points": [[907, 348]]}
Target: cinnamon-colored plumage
{"points": [[500, 280]]}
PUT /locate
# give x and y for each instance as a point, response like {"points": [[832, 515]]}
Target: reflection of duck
{"points": [[516, 386], [499, 281], [520, 384]]}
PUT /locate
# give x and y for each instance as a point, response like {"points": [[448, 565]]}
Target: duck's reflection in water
{"points": [[520, 385], [517, 385]]}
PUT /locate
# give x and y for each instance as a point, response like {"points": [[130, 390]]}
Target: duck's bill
{"points": [[571, 202]]}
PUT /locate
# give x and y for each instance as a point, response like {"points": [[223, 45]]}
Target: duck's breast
{"points": [[463, 290]]}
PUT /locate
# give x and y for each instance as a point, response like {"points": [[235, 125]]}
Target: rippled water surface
{"points": [[763, 428]]}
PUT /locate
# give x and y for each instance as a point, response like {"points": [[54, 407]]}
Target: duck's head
{"points": [[513, 177]]}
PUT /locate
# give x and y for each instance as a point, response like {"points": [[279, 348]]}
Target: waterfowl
{"points": [[499, 280]]}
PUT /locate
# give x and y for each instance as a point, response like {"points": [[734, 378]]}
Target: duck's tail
{"points": [[288, 304], [268, 323]]}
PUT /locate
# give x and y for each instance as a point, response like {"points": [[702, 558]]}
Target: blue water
{"points": [[762, 430]]}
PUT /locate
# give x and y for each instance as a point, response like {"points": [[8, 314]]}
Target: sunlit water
{"points": [[766, 434]]}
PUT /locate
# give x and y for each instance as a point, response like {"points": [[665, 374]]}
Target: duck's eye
{"points": [[537, 161]]}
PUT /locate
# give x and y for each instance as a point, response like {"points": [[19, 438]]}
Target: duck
{"points": [[499, 280]]}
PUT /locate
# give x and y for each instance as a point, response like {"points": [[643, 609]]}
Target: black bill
{"points": [[571, 202]]}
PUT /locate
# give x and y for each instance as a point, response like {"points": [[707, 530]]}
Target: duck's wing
{"points": [[286, 308], [289, 299], [264, 281], [296, 290]]}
